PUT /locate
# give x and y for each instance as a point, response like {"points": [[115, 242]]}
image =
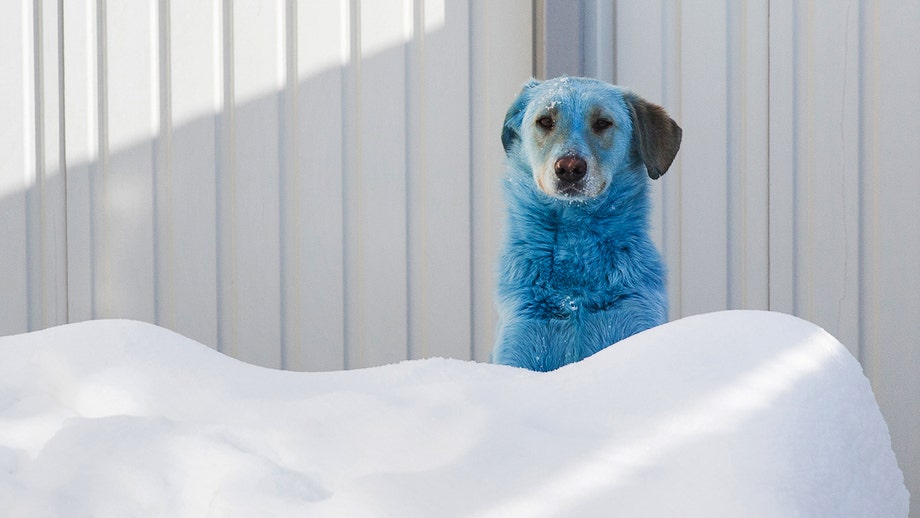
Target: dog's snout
{"points": [[571, 168]]}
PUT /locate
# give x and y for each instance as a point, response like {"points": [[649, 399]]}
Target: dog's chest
{"points": [[577, 274], [578, 260]]}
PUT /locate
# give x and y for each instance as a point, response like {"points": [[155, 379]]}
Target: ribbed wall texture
{"points": [[307, 185]]}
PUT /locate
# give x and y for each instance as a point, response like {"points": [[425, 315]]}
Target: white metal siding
{"points": [[308, 185]]}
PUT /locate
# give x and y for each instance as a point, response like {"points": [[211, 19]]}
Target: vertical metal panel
{"points": [[53, 218], [129, 113], [890, 243], [574, 38], [225, 187], [747, 153], [782, 171], [47, 275], [190, 93], [600, 47], [704, 196], [312, 196], [826, 187], [82, 151], [499, 41], [17, 174], [249, 206], [439, 150], [562, 36], [671, 190], [375, 186]]}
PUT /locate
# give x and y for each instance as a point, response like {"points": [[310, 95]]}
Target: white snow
{"points": [[726, 414]]}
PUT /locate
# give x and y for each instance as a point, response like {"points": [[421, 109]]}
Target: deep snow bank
{"points": [[725, 414]]}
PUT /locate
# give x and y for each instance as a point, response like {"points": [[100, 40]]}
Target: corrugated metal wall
{"points": [[308, 185], [797, 186], [316, 185]]}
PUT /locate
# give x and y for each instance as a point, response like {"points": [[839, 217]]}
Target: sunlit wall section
{"points": [[306, 185], [32, 257], [17, 176]]}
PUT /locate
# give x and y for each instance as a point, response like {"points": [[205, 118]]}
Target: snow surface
{"points": [[726, 414]]}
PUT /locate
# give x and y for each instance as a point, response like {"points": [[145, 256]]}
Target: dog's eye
{"points": [[601, 125], [545, 123]]}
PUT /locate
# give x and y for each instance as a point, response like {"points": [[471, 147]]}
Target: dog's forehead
{"points": [[574, 93]]}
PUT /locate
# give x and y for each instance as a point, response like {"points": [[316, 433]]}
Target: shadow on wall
{"points": [[329, 224]]}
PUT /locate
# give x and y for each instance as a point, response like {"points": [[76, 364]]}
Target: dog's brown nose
{"points": [[571, 168]]}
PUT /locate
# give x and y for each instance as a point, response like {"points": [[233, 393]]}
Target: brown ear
{"points": [[656, 135]]}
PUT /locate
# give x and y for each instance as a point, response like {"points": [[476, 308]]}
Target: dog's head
{"points": [[575, 134]]}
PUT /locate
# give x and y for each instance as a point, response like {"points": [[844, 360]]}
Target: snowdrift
{"points": [[726, 414]]}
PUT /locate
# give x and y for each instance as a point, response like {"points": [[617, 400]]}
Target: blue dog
{"points": [[579, 271]]}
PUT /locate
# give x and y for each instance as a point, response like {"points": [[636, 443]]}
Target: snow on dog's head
{"points": [[577, 135]]}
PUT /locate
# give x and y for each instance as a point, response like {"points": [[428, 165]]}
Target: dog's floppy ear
{"points": [[656, 135], [511, 130]]}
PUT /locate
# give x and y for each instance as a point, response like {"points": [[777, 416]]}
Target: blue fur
{"points": [[575, 276]]}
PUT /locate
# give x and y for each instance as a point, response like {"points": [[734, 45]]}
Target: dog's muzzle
{"points": [[570, 170]]}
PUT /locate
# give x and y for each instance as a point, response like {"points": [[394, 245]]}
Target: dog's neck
{"points": [[535, 212]]}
